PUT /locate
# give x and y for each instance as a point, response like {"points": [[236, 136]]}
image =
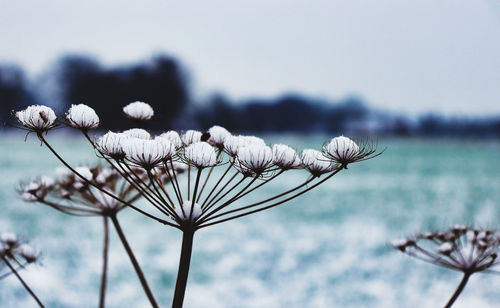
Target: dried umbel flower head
{"points": [[210, 196], [138, 111], [89, 193], [233, 143], [466, 249], [82, 117], [257, 158], [218, 135], [37, 118], [200, 155], [147, 153], [285, 157], [110, 144], [191, 136], [344, 151], [9, 239], [27, 252], [173, 137], [462, 248], [15, 249], [37, 188], [316, 163], [138, 133]]}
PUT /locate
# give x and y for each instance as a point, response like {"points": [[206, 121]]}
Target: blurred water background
{"points": [[328, 248]]}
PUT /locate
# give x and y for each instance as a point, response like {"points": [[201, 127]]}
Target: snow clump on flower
{"points": [[37, 118], [83, 117], [139, 111]]}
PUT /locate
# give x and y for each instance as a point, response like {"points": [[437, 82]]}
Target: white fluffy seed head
{"points": [[47, 181], [29, 197], [255, 157], [27, 252], [191, 136], [111, 144], [139, 111], [218, 135], [147, 153], [85, 173], [9, 238], [82, 116], [285, 157], [233, 143], [138, 133], [399, 243], [342, 149], [37, 117], [315, 162], [445, 248], [173, 137], [185, 212], [37, 188], [201, 155]]}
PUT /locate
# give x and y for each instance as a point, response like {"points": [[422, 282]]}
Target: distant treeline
{"points": [[163, 83]]}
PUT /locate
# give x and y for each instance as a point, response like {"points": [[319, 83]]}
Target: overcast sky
{"points": [[410, 56]]}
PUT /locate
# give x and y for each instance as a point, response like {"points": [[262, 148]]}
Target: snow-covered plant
{"points": [[222, 172], [91, 191], [83, 117], [461, 248], [15, 255], [138, 111]]}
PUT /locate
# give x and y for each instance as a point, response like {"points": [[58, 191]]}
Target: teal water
{"points": [[326, 249]]}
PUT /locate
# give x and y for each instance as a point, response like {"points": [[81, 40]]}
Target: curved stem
{"points": [[136, 265], [104, 275], [459, 290], [183, 272], [40, 136], [25, 285]]}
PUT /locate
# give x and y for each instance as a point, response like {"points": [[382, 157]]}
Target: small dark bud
{"points": [[205, 136]]}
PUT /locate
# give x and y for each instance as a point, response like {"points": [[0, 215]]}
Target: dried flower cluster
{"points": [[460, 248], [138, 111], [12, 248], [221, 170], [90, 190], [37, 118], [466, 249], [16, 255]]}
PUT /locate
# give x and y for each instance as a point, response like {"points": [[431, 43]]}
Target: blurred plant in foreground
{"points": [[222, 169], [466, 249], [70, 195], [16, 255]]}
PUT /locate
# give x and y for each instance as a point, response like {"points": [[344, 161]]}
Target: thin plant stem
{"points": [[208, 218], [459, 290], [268, 206], [217, 184], [189, 181], [104, 275], [25, 285], [135, 264], [102, 190], [213, 203], [198, 175], [175, 179], [171, 180], [207, 177], [183, 272]]}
